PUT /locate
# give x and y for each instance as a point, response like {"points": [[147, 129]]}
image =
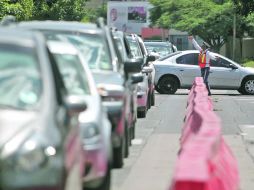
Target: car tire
{"points": [[168, 85], [127, 137], [240, 90], [118, 154], [105, 185], [157, 89], [247, 87], [142, 114], [153, 99], [133, 131], [130, 135], [149, 104]]}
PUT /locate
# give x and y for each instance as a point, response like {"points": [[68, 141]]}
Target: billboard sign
{"points": [[128, 16]]}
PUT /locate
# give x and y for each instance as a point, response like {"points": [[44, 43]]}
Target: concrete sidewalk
{"points": [[245, 162], [247, 132], [154, 168]]}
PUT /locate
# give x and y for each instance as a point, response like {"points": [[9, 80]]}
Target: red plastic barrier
{"points": [[205, 161]]}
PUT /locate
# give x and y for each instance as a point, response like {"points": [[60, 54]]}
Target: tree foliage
{"points": [[91, 14], [244, 7], [43, 9], [59, 10], [22, 10], [211, 20]]}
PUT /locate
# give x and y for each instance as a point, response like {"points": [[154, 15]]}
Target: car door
{"points": [[222, 76], [72, 147], [187, 68]]}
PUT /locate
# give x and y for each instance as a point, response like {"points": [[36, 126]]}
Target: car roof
{"points": [[61, 25], [19, 36]]}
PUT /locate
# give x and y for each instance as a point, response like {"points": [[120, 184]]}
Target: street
{"points": [[154, 150]]}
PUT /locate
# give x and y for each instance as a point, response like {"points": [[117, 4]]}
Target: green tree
{"points": [[22, 10], [211, 20], [244, 7], [59, 9], [91, 14]]}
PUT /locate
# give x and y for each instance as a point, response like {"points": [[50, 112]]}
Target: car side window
{"points": [[188, 59], [61, 90], [220, 63]]}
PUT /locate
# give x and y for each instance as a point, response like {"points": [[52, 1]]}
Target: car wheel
{"points": [[105, 185], [149, 104], [157, 89], [247, 87], [126, 149], [142, 114], [118, 154], [240, 90], [168, 85], [133, 131], [153, 99]]}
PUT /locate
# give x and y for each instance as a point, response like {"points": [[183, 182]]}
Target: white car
{"points": [[179, 69]]}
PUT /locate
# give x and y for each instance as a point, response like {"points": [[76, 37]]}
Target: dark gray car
{"points": [[95, 45], [40, 142]]}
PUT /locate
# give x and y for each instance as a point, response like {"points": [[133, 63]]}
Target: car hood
{"points": [[249, 69], [14, 122], [102, 77]]}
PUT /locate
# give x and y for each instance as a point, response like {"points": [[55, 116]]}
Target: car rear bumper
{"points": [[141, 99]]}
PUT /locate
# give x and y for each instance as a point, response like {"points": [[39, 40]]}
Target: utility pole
{"points": [[234, 36]]}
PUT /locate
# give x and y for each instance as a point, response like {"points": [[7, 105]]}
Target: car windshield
{"points": [[73, 74], [135, 49], [20, 78], [92, 48], [162, 49]]}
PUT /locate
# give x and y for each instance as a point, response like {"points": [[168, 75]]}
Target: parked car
{"points": [[40, 142], [124, 52], [179, 69], [161, 48], [94, 124], [149, 58], [95, 46], [144, 89]]}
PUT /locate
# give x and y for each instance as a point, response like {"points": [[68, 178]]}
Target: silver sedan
{"points": [[179, 69]]}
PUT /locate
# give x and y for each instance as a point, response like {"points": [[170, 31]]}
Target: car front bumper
{"points": [[116, 115], [48, 177], [96, 166]]}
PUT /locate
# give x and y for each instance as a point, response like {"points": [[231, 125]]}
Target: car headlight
{"points": [[90, 131], [30, 160]]}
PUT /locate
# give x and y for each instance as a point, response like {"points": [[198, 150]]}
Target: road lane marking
{"points": [[137, 142]]}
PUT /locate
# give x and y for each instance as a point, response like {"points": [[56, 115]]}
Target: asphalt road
{"points": [[154, 150]]}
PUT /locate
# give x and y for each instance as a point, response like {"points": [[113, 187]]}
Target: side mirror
{"points": [[232, 66], [151, 58], [136, 78], [133, 65], [147, 70], [75, 104]]}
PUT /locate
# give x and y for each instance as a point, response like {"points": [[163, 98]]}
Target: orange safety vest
{"points": [[202, 59]]}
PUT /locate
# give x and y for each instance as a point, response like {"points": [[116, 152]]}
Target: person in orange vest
{"points": [[204, 60]]}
